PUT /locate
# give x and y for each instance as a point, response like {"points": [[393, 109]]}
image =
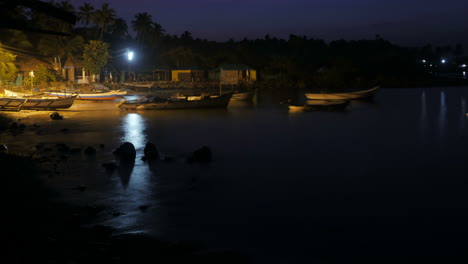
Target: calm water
{"points": [[387, 178]]}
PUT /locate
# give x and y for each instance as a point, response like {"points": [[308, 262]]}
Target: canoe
{"points": [[296, 108], [111, 95], [342, 96], [9, 93], [15, 103], [213, 101]]}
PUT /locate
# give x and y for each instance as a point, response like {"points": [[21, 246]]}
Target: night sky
{"points": [[404, 22]]}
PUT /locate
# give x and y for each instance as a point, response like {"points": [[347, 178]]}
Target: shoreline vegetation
{"points": [[99, 45], [39, 227]]}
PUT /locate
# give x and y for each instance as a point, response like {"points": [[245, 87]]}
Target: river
{"points": [[384, 179]]}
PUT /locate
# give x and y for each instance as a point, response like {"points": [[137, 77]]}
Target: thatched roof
{"points": [[31, 64], [72, 62]]}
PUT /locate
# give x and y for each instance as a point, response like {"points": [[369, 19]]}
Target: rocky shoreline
{"points": [[40, 227]]}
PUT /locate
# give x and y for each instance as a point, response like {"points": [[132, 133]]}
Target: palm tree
{"points": [[143, 25], [68, 7], [60, 47], [104, 17], [86, 13]]}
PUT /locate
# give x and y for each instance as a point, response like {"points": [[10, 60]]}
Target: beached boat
{"points": [[296, 108], [343, 96], [243, 96], [111, 95], [33, 103], [9, 93], [147, 103]]}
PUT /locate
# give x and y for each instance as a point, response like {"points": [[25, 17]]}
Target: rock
{"points": [[56, 116], [202, 155], [110, 166], [3, 148], [62, 147], [90, 151], [126, 152], [143, 208], [75, 150], [80, 188], [14, 126], [151, 152]]}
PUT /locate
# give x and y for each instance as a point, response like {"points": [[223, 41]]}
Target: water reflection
{"points": [[442, 118], [423, 119], [462, 116], [133, 127]]}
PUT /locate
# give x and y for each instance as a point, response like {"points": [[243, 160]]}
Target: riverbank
{"points": [[40, 227]]}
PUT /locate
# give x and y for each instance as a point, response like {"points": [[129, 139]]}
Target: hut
{"points": [[190, 74], [162, 74], [27, 67], [70, 68], [233, 74]]}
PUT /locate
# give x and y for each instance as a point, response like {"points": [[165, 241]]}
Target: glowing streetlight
{"points": [[443, 61], [130, 55], [423, 61], [130, 58]]}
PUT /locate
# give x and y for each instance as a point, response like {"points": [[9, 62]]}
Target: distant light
{"points": [[464, 73], [443, 61], [423, 61], [463, 65], [430, 65], [130, 55]]}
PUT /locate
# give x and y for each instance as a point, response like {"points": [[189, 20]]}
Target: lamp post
{"points": [[129, 58]]}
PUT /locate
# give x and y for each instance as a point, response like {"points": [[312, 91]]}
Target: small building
{"points": [[192, 74], [233, 74], [70, 68], [162, 74], [28, 66]]}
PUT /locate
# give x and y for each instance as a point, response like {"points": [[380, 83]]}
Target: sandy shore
{"points": [[39, 227]]}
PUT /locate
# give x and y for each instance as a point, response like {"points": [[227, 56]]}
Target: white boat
{"points": [[342, 96], [9, 93], [111, 95], [296, 108]]}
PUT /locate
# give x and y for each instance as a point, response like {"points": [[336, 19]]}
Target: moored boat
{"points": [[343, 96], [33, 103], [207, 101], [111, 95]]}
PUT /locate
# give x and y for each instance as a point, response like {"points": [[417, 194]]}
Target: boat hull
{"points": [[243, 96], [342, 96], [105, 96], [8, 103], [211, 102]]}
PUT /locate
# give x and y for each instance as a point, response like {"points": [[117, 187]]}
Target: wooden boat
{"points": [[9, 93], [111, 95], [296, 108], [342, 96], [326, 105], [243, 96], [36, 103], [144, 103]]}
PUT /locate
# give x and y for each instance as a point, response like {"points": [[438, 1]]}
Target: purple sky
{"points": [[405, 22]]}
